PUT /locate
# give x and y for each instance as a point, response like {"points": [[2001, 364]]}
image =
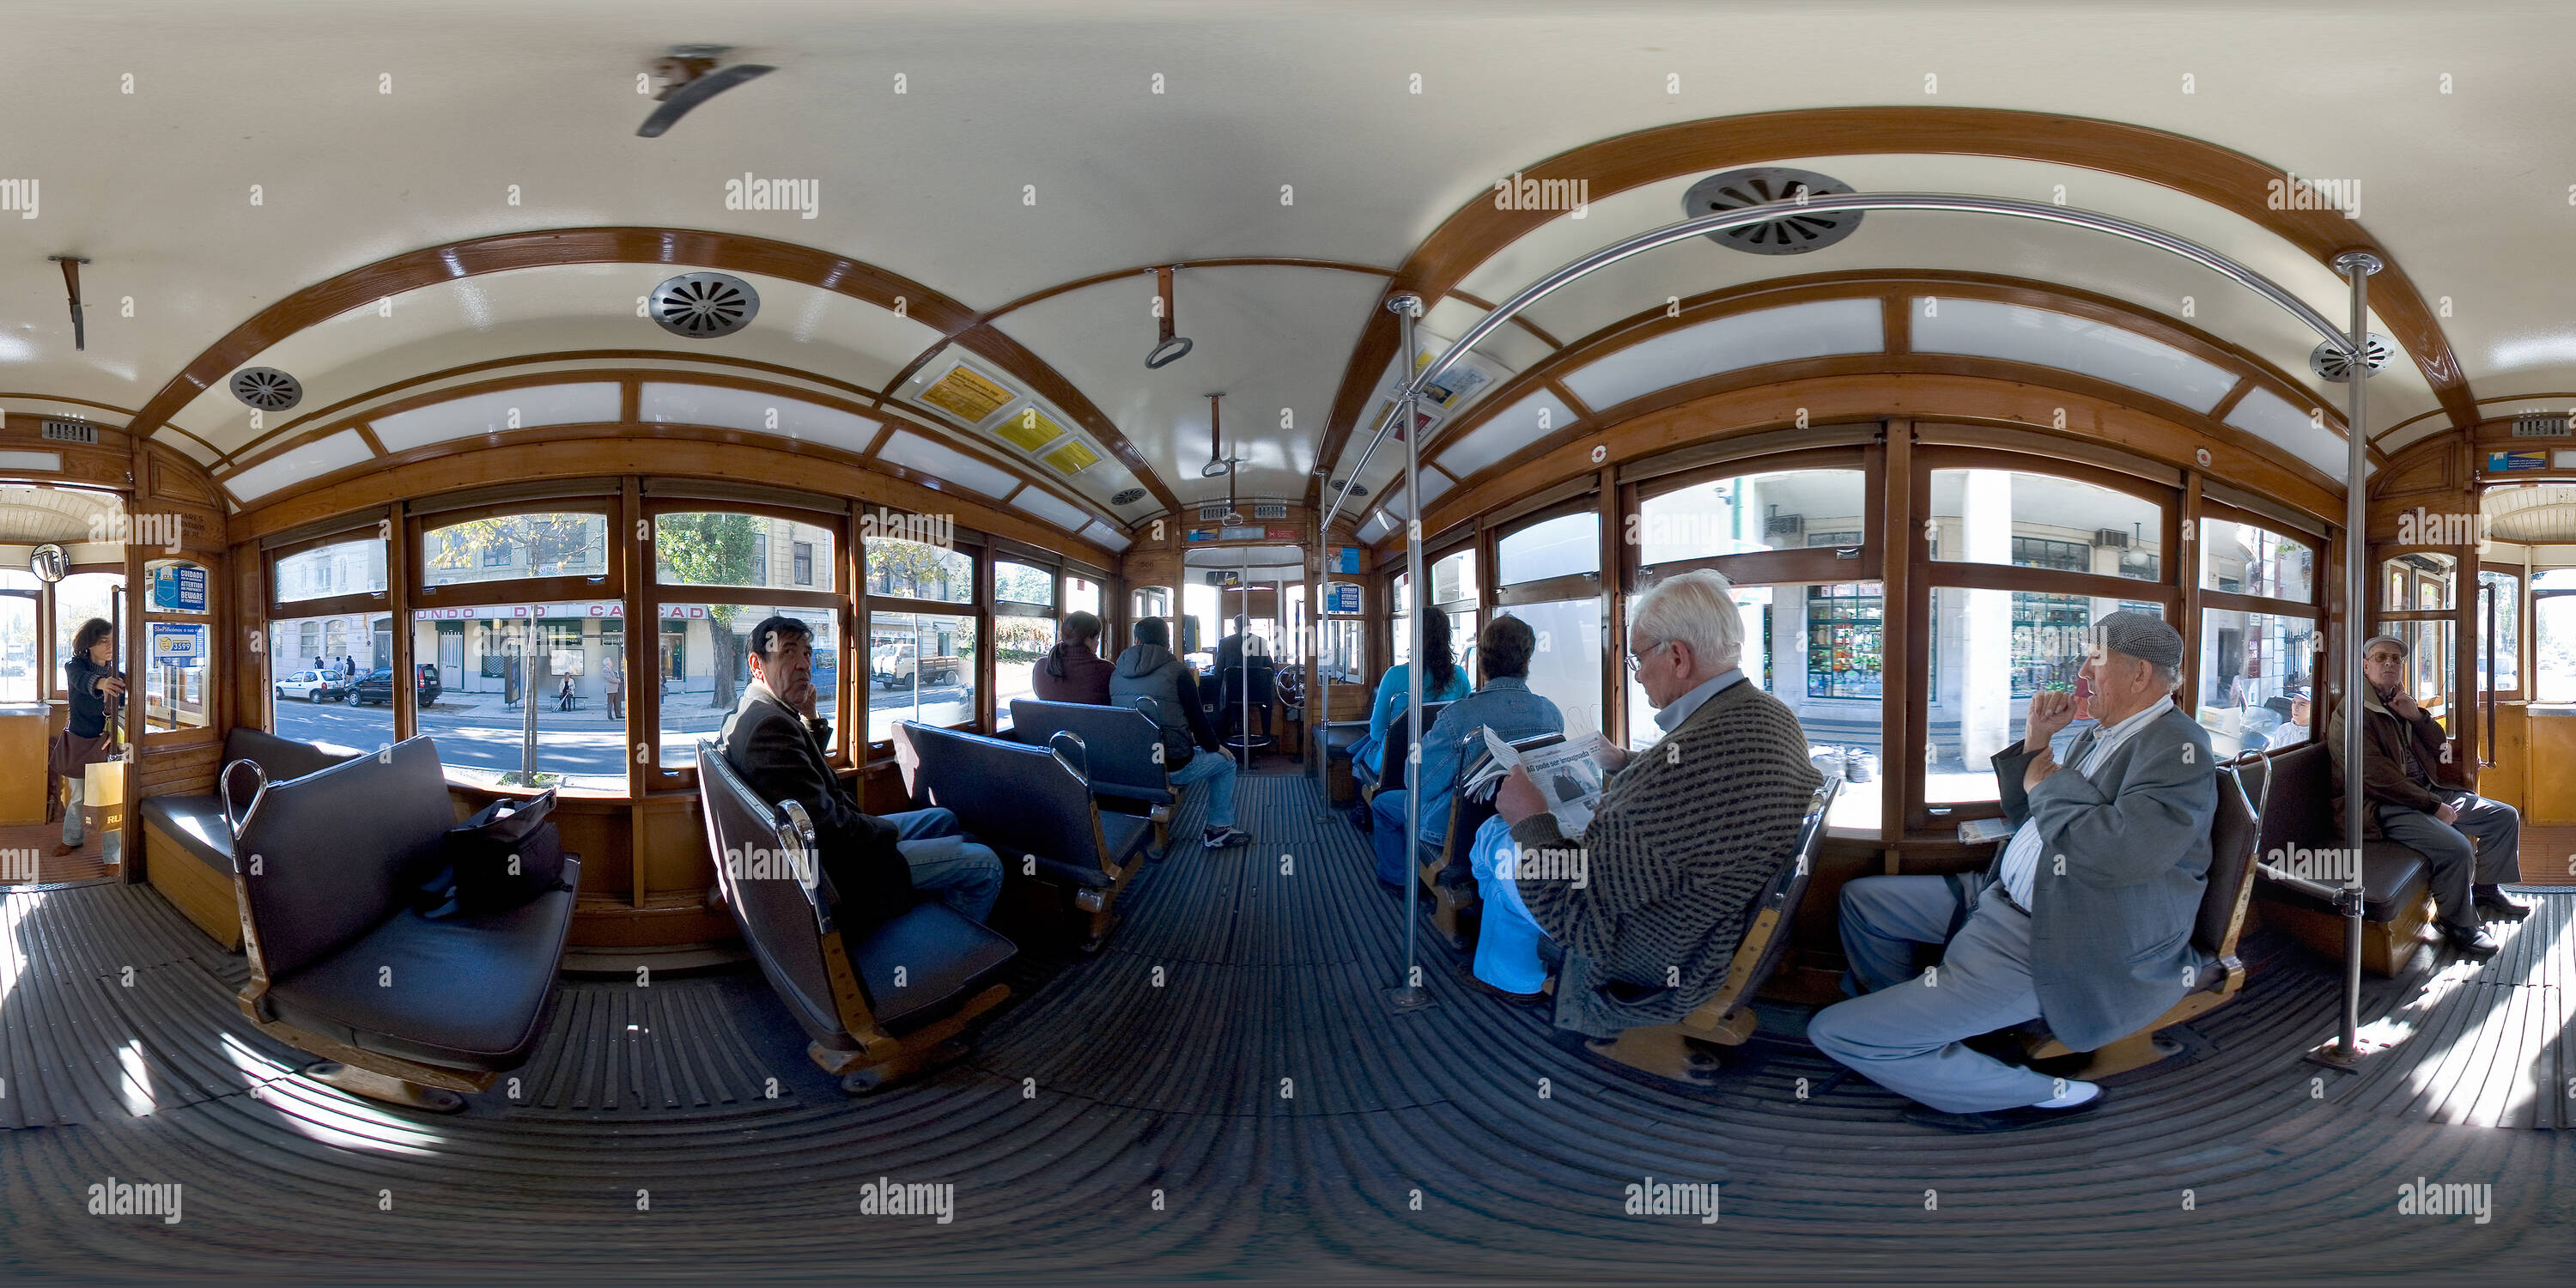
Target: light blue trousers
{"points": [[1216, 769], [1507, 938]]}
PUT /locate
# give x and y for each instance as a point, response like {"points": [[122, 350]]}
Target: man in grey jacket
{"points": [[2084, 919]]}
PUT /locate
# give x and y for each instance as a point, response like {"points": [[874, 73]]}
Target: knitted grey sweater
{"points": [[1684, 839]]}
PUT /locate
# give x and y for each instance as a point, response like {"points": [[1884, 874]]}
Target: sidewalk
{"points": [[682, 712]]}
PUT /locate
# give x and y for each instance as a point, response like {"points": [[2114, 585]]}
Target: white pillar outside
{"points": [[1985, 662]]}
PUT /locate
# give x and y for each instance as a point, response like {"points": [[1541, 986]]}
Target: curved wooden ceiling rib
{"points": [[730, 252], [2221, 176]]}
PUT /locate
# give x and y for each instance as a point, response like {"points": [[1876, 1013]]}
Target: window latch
{"points": [[1847, 552]]}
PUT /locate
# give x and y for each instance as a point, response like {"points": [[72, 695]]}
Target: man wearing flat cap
{"points": [[2471, 843], [2084, 919]]}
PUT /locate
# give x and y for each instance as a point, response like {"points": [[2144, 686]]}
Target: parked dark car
{"points": [[376, 687]]}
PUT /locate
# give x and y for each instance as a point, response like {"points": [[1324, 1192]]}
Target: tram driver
{"points": [[2084, 918], [1648, 905]]}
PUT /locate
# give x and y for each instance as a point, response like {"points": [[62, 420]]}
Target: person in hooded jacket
{"points": [[1074, 671], [1191, 753]]}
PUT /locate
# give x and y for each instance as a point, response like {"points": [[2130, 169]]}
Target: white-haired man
{"points": [[2084, 918], [1684, 838]]}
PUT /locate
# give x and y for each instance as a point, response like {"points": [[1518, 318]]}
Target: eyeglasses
{"points": [[1638, 657]]}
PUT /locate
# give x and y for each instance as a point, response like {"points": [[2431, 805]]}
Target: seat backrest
{"points": [[771, 881], [1466, 815], [1767, 920], [2298, 807], [1399, 734], [1006, 795], [1119, 740], [326, 858], [2234, 834], [280, 758]]}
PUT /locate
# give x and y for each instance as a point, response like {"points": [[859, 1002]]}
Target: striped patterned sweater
{"points": [[1686, 837]]}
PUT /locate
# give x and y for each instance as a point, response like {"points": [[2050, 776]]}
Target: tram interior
{"points": [[679, 701]]}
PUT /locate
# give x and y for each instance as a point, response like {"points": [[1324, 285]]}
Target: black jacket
{"points": [[780, 756], [88, 716]]}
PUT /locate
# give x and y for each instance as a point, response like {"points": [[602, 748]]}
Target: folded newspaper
{"points": [[1568, 774]]}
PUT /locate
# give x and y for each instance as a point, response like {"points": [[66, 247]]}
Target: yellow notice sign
{"points": [[1072, 458], [1028, 429], [966, 395]]}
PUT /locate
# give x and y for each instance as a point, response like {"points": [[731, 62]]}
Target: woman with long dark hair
{"points": [[1442, 681], [97, 688]]}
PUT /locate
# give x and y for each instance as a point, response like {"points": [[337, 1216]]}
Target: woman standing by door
{"points": [[88, 737]]}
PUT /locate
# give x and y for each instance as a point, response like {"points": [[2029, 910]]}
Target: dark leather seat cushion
{"points": [[1125, 834], [1124, 791], [197, 824], [2393, 878], [466, 992], [946, 960]]}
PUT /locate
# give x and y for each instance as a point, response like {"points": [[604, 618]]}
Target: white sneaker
{"points": [[2076, 1093], [1227, 839]]}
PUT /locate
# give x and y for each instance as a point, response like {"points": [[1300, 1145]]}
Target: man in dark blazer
{"points": [[774, 740], [2083, 919]]}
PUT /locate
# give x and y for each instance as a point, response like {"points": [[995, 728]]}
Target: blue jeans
{"points": [[1507, 937], [1216, 769], [1393, 864], [966, 876]]}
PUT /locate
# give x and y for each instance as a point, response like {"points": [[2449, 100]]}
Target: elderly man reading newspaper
{"points": [[1647, 901]]}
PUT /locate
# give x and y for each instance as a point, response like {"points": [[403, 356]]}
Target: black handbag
{"points": [[503, 857]]}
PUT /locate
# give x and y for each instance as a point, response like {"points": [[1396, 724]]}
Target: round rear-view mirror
{"points": [[50, 563]]}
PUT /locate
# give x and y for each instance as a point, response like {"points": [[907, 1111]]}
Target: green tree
{"points": [[711, 550], [548, 539], [912, 569]]}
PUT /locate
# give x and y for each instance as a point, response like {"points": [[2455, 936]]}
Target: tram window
{"points": [[2416, 581], [704, 662], [2429, 664], [1567, 545], [174, 678], [1196, 632], [921, 666], [1782, 510], [2241, 559], [1453, 578], [2504, 652], [18, 679], [915, 570], [2038, 521], [77, 599], [2553, 637], [1817, 648], [1082, 595], [1019, 583], [341, 568], [732, 549], [1566, 669], [2251, 664], [515, 547], [1019, 643], [312, 704], [1996, 649], [1342, 637]]}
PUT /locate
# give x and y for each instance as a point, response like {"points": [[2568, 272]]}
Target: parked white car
{"points": [[313, 686]]}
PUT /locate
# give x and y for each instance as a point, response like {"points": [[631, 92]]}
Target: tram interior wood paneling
{"points": [[1389, 642]]}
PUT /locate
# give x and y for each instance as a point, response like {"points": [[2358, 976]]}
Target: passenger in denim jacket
{"points": [[1503, 703]]}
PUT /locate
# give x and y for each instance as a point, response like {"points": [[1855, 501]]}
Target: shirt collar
{"points": [[2107, 736], [1671, 717], [1520, 682], [756, 690]]}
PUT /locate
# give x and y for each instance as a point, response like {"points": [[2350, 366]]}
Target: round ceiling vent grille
{"points": [[1129, 497], [1788, 235], [2330, 363], [703, 306], [267, 388]]}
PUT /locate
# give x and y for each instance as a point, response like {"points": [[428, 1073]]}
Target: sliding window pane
{"points": [[2504, 651], [916, 570], [1019, 583], [2242, 559], [1782, 510], [342, 568], [717, 548], [921, 666], [1022, 642], [513, 547], [2039, 521], [1083, 596], [1998, 648], [479, 671], [2428, 665], [314, 705], [2253, 669], [2420, 580], [1566, 668], [1558, 547], [18, 679], [2553, 646], [79, 599], [706, 665]]}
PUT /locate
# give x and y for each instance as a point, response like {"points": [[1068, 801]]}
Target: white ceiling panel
{"points": [[498, 412], [1810, 330], [310, 461]]}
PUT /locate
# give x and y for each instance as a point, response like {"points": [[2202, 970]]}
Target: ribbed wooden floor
{"points": [[1287, 1119]]}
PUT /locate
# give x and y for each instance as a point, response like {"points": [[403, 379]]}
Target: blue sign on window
{"points": [[179, 589], [1342, 597]]}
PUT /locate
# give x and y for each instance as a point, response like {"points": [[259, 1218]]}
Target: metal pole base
{"points": [[1409, 998], [2334, 1055]]}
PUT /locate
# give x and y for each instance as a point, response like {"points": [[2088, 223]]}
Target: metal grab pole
{"points": [[2358, 266], [1747, 216], [1410, 994]]}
